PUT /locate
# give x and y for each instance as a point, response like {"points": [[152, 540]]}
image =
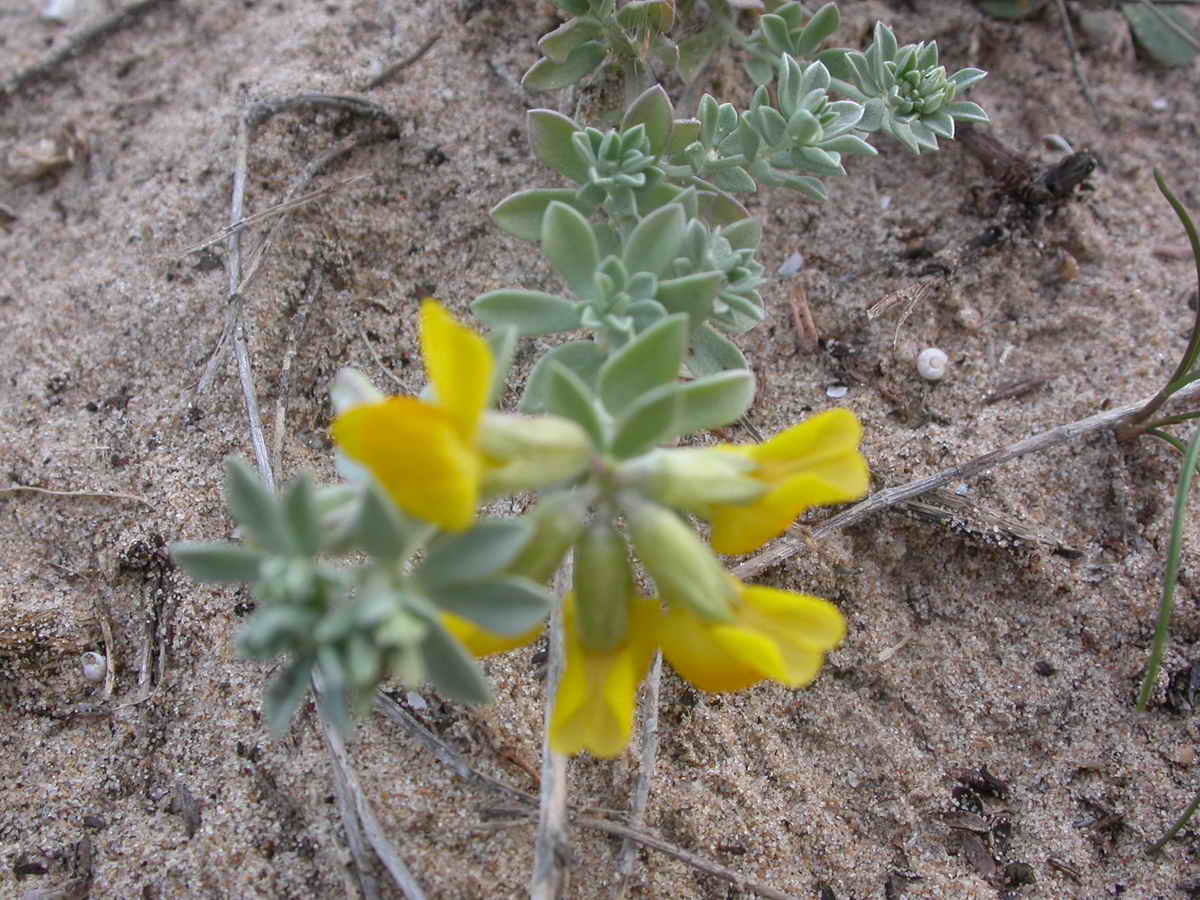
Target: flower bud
{"points": [[603, 586], [693, 478], [557, 521], [531, 451], [685, 570], [350, 389]]}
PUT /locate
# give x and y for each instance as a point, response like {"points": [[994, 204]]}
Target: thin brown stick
{"points": [[648, 747], [790, 545], [103, 495], [551, 846], [104, 614], [396, 68], [371, 828], [1076, 64], [646, 839], [802, 319], [122, 18]]}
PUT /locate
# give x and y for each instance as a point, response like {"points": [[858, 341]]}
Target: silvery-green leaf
{"points": [[683, 133], [331, 698], [550, 136], [584, 358], [902, 132], [568, 396], [573, 7], [273, 629], [885, 39], [964, 78], [760, 70], [717, 208], [652, 109], [824, 22], [928, 58], [645, 313], [530, 313], [380, 529], [548, 75], [696, 50], [255, 509], [849, 114], [656, 197], [790, 88], [849, 143], [803, 128], [569, 244], [503, 344], [708, 112], [655, 240], [966, 111], [775, 30], [837, 63], [711, 352], [874, 114], [481, 552], [334, 625], [559, 43], [300, 511], [651, 359], [715, 400], [520, 214], [816, 161], [507, 605], [735, 179], [744, 234], [285, 693], [940, 123], [692, 294], [639, 16], [748, 139], [924, 137], [770, 124], [815, 78], [651, 421], [217, 562], [864, 73], [451, 669], [362, 662]]}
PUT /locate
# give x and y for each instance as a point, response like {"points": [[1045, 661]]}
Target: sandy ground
{"points": [[962, 655]]}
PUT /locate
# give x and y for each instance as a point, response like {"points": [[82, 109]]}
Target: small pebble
{"points": [[836, 391], [1158, 104], [791, 266], [1068, 266], [885, 202], [416, 701], [962, 490], [932, 364], [94, 666]]}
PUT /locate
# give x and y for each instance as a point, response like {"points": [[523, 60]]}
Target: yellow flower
{"points": [[775, 634], [815, 463], [425, 454], [593, 709], [481, 642]]}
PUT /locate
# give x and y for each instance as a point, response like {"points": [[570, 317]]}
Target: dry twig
{"points": [[1076, 64], [122, 18], [396, 68], [295, 330], [648, 746], [103, 495]]}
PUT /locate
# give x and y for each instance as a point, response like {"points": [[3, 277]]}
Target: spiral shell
{"points": [[94, 666], [932, 364]]}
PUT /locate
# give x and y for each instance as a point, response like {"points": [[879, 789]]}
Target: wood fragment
{"points": [[806, 329]]}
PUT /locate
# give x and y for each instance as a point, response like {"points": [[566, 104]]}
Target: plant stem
{"points": [[1174, 829]]}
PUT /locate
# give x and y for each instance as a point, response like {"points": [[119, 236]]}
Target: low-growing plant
{"points": [[394, 573]]}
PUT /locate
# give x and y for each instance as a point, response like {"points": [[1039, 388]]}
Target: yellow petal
{"points": [[459, 365], [416, 453], [593, 708], [481, 642], [693, 650]]}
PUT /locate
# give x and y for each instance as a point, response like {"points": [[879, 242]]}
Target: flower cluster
{"points": [[439, 458]]}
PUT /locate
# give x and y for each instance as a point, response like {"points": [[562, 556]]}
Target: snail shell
{"points": [[932, 364]]}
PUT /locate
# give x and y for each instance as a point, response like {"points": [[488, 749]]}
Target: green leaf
{"points": [[569, 244], [649, 360], [823, 23], [715, 400], [718, 208], [558, 44], [584, 358], [966, 111], [775, 30], [331, 700], [508, 605], [1157, 31], [655, 241], [285, 693], [653, 110], [684, 132], [649, 422], [655, 197], [964, 78], [744, 234], [712, 352], [529, 312], [503, 344], [567, 395], [735, 179], [550, 139], [255, 508], [520, 214], [475, 554], [692, 294], [379, 528], [573, 7], [218, 562], [451, 669], [548, 75], [1011, 9], [300, 510]]}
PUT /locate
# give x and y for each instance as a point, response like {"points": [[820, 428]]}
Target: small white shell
{"points": [[932, 364], [94, 666]]}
